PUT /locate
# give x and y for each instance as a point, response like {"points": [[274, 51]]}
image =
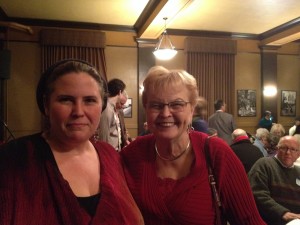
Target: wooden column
{"points": [[269, 78], [146, 60]]}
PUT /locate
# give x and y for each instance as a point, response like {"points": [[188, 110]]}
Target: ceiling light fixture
{"points": [[164, 49]]}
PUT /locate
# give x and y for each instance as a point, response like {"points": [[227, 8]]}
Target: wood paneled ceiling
{"points": [[273, 22]]}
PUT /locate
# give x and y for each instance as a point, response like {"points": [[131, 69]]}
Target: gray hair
{"points": [[261, 133], [237, 133]]}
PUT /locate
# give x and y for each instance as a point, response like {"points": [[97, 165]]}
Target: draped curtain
{"points": [[65, 44], [212, 63]]}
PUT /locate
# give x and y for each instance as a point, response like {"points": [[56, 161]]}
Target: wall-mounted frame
{"points": [[246, 103], [288, 103], [127, 109]]}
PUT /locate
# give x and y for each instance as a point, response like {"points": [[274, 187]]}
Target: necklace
{"points": [[174, 157]]}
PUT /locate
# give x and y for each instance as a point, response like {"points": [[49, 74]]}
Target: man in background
{"points": [[109, 129], [244, 149], [221, 121], [275, 182], [125, 137]]}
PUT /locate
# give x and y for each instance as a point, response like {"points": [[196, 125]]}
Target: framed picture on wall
{"points": [[288, 103], [246, 103], [127, 109]]}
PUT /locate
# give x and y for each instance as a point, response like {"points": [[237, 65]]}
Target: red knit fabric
{"points": [[240, 138], [188, 200], [33, 191]]}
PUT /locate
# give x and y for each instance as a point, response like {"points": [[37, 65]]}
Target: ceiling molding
{"points": [[204, 33], [74, 25], [150, 25], [147, 16], [279, 29]]}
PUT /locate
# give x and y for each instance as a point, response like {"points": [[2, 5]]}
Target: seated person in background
{"points": [[244, 149], [262, 137], [298, 160], [293, 128], [297, 130], [212, 132], [146, 130], [251, 137], [266, 121], [275, 183], [198, 123], [277, 131]]}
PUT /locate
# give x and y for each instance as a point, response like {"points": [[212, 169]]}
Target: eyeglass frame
{"points": [[161, 106], [285, 149]]}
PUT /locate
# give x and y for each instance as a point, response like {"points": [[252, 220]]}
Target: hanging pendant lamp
{"points": [[164, 49]]}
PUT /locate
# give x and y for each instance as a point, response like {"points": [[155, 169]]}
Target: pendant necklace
{"points": [[174, 157]]}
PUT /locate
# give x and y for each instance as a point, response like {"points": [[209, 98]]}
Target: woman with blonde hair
{"points": [[166, 171]]}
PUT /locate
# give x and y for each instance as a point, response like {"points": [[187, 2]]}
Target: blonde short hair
{"points": [[160, 78]]}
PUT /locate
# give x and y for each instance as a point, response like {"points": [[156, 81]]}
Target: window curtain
{"points": [[64, 44], [212, 63]]}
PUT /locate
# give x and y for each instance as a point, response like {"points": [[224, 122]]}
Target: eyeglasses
{"points": [[176, 106], [285, 149]]}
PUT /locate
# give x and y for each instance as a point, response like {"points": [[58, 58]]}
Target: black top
{"points": [[247, 153], [89, 203]]}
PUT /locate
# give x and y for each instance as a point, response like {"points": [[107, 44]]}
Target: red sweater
{"points": [[33, 191], [188, 200]]}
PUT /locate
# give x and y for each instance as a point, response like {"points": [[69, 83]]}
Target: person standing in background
{"points": [[109, 129], [266, 121], [221, 121], [125, 137]]}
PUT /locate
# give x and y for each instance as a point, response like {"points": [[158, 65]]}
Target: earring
{"points": [[190, 128]]}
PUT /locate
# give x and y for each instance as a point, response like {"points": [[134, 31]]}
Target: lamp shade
{"points": [[164, 49], [165, 54]]}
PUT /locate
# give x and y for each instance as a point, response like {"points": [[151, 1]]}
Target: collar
{"points": [[240, 138], [276, 157]]}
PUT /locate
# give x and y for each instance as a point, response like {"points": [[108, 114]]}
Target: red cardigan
{"points": [[33, 191], [188, 200]]}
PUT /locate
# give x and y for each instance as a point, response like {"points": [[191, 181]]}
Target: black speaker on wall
{"points": [[5, 58]]}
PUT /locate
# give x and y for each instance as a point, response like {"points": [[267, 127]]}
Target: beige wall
{"points": [[122, 64], [23, 116], [122, 57], [247, 73], [288, 78]]}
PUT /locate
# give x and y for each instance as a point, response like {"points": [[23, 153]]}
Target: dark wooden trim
{"points": [[280, 28], [152, 8], [75, 25], [3, 15], [148, 15], [147, 12], [204, 33]]}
